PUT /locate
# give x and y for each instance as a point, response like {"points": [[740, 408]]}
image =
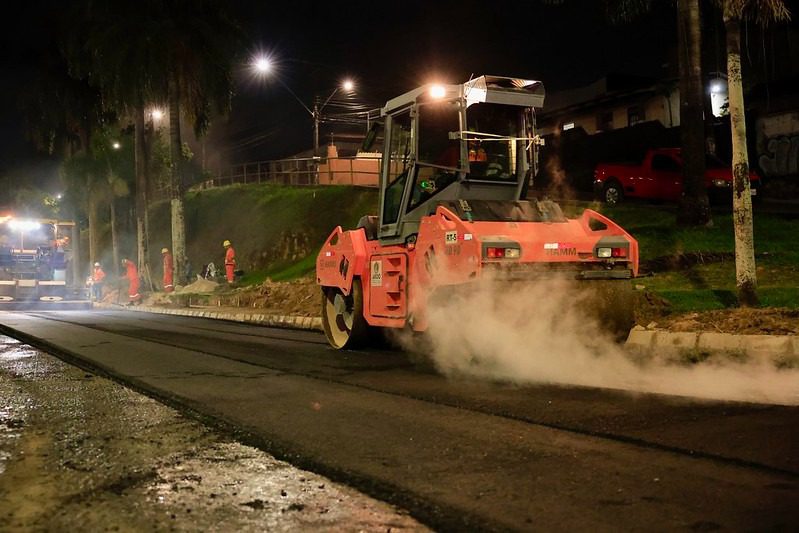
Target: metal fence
{"points": [[359, 170]]}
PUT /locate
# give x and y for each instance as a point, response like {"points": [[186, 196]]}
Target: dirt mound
{"points": [[201, 286], [773, 321], [298, 297]]}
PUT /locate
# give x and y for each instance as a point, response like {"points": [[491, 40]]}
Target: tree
{"points": [[117, 46], [61, 113], [202, 42], [694, 206], [733, 11], [140, 51]]}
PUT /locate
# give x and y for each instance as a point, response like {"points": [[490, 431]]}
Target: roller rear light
{"points": [[498, 252], [606, 253]]}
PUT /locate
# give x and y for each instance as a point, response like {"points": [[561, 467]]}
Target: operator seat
{"points": [[369, 225]]}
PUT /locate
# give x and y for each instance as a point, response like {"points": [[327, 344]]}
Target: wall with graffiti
{"points": [[778, 145]]}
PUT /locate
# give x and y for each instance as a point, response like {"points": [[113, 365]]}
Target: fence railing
{"points": [[359, 170]]}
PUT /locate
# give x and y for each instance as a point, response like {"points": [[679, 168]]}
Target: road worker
{"points": [[477, 153], [169, 269], [132, 274], [98, 278], [230, 261]]}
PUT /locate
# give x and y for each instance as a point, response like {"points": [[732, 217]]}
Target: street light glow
{"points": [[348, 85], [115, 145], [157, 114], [262, 65]]}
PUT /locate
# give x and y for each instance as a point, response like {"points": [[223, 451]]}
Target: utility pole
{"points": [[316, 127]]}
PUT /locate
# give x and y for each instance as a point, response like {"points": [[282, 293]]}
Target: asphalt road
{"points": [[456, 453]]}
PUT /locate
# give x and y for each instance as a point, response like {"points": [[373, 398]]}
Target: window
{"points": [[436, 121], [439, 155], [604, 121], [635, 114], [664, 163], [398, 161], [493, 141], [568, 126]]}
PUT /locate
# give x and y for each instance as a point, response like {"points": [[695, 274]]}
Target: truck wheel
{"points": [[342, 317], [613, 193]]}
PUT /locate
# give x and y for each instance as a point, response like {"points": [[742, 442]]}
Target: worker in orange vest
{"points": [[169, 269], [132, 274], [230, 261], [98, 278]]}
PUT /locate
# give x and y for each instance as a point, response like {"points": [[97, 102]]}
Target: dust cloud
{"points": [[543, 333]]}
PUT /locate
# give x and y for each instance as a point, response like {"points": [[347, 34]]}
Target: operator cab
{"points": [[446, 143]]}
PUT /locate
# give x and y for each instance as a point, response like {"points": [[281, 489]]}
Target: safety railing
{"points": [[359, 170]]}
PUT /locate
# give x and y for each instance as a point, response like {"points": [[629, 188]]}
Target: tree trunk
{"points": [[694, 209], [745, 274], [176, 183], [142, 202], [76, 261], [114, 234], [94, 223]]}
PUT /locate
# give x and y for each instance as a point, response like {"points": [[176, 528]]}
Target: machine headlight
{"points": [[604, 252], [721, 183]]}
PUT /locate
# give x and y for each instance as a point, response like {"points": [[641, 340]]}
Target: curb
{"points": [[781, 350], [277, 321]]}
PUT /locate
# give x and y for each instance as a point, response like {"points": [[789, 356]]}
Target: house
{"points": [[610, 103]]}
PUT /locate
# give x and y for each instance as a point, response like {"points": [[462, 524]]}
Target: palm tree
{"points": [[733, 11], [139, 51], [202, 42], [116, 46]]}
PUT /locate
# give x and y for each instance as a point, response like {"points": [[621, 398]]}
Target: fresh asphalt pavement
{"points": [[455, 453]]}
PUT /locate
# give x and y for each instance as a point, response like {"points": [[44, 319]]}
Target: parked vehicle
{"points": [[660, 177]]}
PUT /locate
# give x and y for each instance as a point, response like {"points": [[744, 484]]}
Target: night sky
{"points": [[386, 48]]}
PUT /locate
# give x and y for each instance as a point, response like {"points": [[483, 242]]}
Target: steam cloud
{"points": [[543, 333]]}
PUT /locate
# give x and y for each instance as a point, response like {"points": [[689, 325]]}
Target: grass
{"points": [[712, 285], [282, 271], [260, 219]]}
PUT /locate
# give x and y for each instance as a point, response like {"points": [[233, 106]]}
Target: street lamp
{"points": [[156, 114], [263, 66], [116, 145], [347, 86]]}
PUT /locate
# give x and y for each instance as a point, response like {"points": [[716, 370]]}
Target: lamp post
{"points": [[262, 66]]}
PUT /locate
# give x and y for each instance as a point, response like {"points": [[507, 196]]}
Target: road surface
{"points": [[456, 453]]}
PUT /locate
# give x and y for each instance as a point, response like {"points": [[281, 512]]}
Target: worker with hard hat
{"points": [[98, 278], [169, 269], [132, 275], [230, 261]]}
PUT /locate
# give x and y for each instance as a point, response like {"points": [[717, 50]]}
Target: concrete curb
{"points": [[276, 321], [781, 350]]}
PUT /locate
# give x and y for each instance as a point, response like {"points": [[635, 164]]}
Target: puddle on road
{"points": [[81, 452]]}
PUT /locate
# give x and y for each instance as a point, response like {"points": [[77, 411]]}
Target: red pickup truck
{"points": [[659, 177]]}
